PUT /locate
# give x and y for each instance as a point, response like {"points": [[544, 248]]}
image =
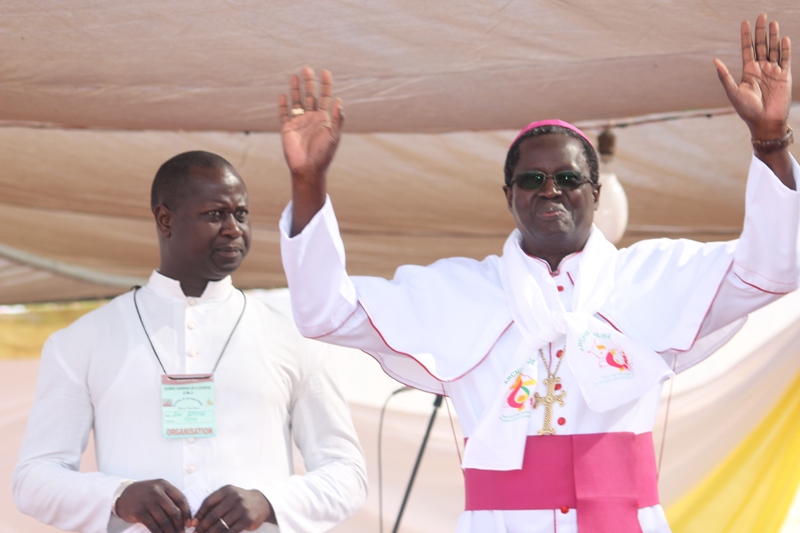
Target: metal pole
{"points": [[437, 403]]}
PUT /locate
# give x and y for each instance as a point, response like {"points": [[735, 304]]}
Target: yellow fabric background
{"points": [[22, 334], [752, 489]]}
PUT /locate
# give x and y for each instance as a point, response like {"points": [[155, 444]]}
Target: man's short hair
{"points": [[171, 183], [512, 158]]}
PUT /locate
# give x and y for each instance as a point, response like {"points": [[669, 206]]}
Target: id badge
{"points": [[187, 406]]}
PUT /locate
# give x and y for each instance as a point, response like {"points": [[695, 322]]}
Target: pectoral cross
{"points": [[548, 400]]}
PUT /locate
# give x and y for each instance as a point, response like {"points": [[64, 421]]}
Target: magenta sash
{"points": [[606, 477]]}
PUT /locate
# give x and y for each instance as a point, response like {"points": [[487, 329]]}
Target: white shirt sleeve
{"points": [[324, 299], [767, 262], [326, 306], [335, 484], [46, 483]]}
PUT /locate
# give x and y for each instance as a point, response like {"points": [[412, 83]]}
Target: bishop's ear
{"points": [[509, 195], [163, 219], [596, 194]]}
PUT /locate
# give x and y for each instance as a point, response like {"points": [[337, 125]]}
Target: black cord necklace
{"points": [[136, 305]]}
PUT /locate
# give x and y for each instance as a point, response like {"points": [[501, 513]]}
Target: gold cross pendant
{"points": [[548, 400]]}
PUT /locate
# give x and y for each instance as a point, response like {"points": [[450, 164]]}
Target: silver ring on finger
{"points": [[227, 527], [297, 111]]}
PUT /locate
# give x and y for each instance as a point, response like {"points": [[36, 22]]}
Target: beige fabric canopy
{"points": [[402, 66], [95, 95]]}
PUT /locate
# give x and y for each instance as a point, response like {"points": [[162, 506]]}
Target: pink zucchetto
{"points": [[551, 122]]}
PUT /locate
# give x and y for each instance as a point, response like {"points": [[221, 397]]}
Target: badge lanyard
{"points": [[187, 400]]}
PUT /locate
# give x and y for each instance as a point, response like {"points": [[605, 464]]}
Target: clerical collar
{"points": [[171, 288], [568, 263]]}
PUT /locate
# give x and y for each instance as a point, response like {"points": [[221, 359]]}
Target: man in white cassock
{"points": [[554, 353], [194, 391]]}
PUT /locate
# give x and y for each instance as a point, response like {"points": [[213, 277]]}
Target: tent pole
{"points": [[67, 270]]}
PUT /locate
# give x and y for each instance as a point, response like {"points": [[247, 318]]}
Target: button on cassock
{"points": [[191, 352], [190, 469], [191, 300], [191, 325]]}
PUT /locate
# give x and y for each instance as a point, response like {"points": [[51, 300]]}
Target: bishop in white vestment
{"points": [[553, 353]]}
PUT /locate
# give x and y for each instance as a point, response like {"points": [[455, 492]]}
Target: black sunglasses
{"points": [[565, 180]]}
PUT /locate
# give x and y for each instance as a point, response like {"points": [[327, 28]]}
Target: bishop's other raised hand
{"points": [[764, 94]]}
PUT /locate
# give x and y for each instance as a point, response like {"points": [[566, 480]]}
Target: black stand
{"points": [[437, 403]]}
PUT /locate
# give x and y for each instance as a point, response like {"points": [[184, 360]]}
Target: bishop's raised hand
{"points": [[311, 124], [764, 94], [310, 131]]}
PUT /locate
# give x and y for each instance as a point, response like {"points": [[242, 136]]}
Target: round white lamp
{"points": [[612, 213]]}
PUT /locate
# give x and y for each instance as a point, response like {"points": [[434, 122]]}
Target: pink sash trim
{"points": [[607, 477]]}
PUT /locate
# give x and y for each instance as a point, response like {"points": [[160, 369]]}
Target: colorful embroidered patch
{"points": [[520, 391]]}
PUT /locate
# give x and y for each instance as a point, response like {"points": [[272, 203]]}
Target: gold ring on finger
{"points": [[224, 524]]}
